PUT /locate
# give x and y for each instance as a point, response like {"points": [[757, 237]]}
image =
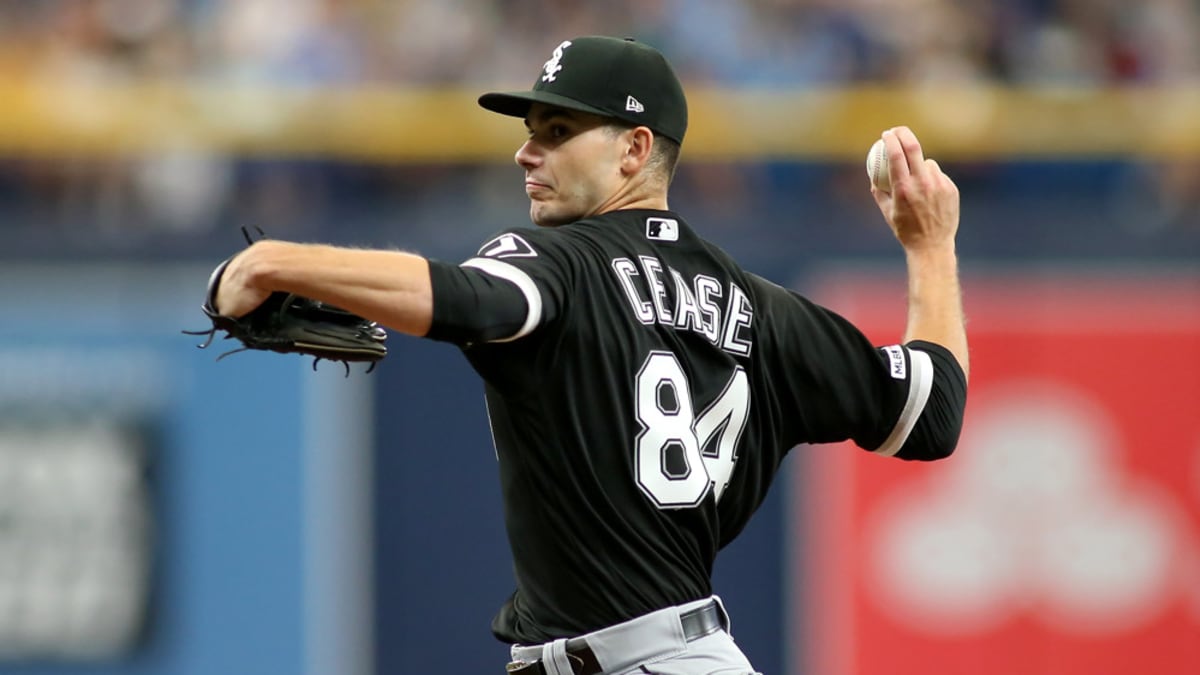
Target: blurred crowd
{"points": [[784, 43], [793, 42]]}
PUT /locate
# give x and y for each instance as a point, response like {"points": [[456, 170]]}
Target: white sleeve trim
{"points": [[919, 386], [523, 281]]}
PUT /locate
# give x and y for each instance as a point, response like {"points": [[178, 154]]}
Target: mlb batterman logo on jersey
{"points": [[662, 229]]}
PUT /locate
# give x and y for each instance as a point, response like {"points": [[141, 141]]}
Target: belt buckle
{"points": [[577, 665]]}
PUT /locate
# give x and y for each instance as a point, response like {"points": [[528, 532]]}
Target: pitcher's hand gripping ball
{"points": [[292, 324]]}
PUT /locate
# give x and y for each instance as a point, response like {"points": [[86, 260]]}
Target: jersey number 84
{"points": [[679, 454]]}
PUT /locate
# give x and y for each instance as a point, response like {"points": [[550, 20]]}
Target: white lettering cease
{"points": [[694, 306]]}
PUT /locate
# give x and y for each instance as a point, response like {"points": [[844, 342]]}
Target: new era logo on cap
{"points": [[662, 229], [634, 105]]}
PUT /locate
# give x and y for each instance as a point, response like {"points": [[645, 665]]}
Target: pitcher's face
{"points": [[571, 162]]}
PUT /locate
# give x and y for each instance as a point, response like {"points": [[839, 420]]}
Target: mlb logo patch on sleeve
{"points": [[507, 245], [896, 365], [662, 229]]}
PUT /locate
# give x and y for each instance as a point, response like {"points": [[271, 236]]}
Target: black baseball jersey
{"points": [[642, 399]]}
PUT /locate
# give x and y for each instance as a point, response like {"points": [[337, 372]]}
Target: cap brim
{"points": [[518, 103]]}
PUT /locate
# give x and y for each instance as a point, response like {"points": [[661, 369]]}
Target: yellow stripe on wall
{"points": [[423, 125]]}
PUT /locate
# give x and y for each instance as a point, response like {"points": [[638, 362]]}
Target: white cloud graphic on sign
{"points": [[1032, 515]]}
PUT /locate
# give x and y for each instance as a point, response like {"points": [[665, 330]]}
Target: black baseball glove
{"points": [[291, 324]]}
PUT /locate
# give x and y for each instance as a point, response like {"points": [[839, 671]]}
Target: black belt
{"points": [[697, 623]]}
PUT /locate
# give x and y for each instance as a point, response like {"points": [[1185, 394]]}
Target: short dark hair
{"points": [[664, 154]]}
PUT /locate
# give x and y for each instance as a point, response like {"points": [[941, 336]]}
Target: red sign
{"points": [[1063, 536]]}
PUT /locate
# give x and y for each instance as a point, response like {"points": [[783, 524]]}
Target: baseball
{"points": [[877, 167]]}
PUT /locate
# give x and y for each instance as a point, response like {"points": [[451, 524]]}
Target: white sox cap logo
{"points": [[552, 66]]}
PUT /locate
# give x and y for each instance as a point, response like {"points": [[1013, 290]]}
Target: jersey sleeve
{"points": [[517, 282], [833, 384], [471, 306], [933, 432]]}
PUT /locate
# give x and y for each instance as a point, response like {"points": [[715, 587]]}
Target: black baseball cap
{"points": [[608, 76]]}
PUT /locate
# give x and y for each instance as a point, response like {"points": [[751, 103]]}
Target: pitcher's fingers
{"points": [[897, 167], [912, 150]]}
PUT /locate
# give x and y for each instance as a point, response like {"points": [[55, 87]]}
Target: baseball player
{"points": [[642, 387]]}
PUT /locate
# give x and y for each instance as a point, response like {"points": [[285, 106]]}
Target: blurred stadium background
{"points": [[160, 513]]}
